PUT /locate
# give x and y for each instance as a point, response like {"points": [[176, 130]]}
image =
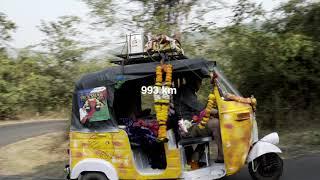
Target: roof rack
{"points": [[146, 57]]}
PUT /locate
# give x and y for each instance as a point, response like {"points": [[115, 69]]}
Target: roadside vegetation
{"points": [[273, 55]]}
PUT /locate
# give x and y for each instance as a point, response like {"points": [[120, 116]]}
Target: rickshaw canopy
{"points": [[113, 77]]}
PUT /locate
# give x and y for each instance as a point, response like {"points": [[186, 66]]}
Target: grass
{"points": [[42, 156], [45, 115], [297, 142]]}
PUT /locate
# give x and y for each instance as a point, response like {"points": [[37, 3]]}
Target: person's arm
{"points": [[214, 113]]}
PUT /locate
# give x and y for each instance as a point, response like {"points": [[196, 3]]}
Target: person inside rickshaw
{"points": [[140, 125], [188, 108], [185, 105]]}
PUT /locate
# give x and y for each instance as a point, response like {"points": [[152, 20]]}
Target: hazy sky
{"points": [[28, 13]]}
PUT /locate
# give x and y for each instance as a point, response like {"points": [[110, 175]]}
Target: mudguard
{"points": [[265, 145], [96, 165]]}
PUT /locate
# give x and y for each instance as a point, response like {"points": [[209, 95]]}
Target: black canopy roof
{"points": [[113, 77]]}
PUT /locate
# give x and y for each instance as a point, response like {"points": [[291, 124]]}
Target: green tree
{"points": [[9, 93], [278, 62], [8, 96], [6, 28], [161, 16], [65, 52], [62, 39]]}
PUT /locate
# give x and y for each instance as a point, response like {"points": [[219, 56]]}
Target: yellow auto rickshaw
{"points": [[102, 148]]}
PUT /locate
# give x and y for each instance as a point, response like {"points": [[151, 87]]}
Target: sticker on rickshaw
{"points": [[93, 105]]}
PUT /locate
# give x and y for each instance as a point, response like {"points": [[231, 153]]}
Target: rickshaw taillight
{"points": [[243, 116]]}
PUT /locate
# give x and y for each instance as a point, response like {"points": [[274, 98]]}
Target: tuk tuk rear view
{"points": [[142, 119]]}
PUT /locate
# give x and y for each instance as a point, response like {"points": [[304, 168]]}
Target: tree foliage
{"points": [[278, 63], [8, 81], [161, 16], [8, 97], [62, 38], [6, 27], [44, 81]]}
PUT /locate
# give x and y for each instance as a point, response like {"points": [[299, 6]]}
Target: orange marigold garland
{"points": [[162, 99], [210, 105], [252, 101], [158, 76]]}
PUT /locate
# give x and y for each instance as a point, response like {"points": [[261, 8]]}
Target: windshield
{"points": [[224, 85]]}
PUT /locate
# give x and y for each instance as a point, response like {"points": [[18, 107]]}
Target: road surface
{"points": [[303, 168], [16, 132]]}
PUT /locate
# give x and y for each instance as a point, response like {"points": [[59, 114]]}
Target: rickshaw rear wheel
{"points": [[266, 167], [93, 176]]}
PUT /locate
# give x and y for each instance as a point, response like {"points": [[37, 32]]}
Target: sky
{"points": [[27, 14]]}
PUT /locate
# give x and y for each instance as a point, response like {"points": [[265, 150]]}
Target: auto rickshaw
{"points": [[101, 147]]}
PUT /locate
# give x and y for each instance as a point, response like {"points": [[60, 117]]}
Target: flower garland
{"points": [[161, 99], [240, 99], [210, 105]]}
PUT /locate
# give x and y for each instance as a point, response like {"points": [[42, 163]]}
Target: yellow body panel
{"points": [[115, 148], [235, 134]]}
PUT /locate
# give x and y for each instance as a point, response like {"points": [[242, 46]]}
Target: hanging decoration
{"points": [[163, 43], [162, 98], [252, 101], [203, 118], [211, 104]]}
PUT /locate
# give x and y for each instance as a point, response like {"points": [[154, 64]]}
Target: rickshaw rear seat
{"points": [[198, 140]]}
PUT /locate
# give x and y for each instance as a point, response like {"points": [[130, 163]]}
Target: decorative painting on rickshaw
{"points": [[93, 105]]}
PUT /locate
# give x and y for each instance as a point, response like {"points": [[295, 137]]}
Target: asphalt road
{"points": [[303, 168], [16, 132]]}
